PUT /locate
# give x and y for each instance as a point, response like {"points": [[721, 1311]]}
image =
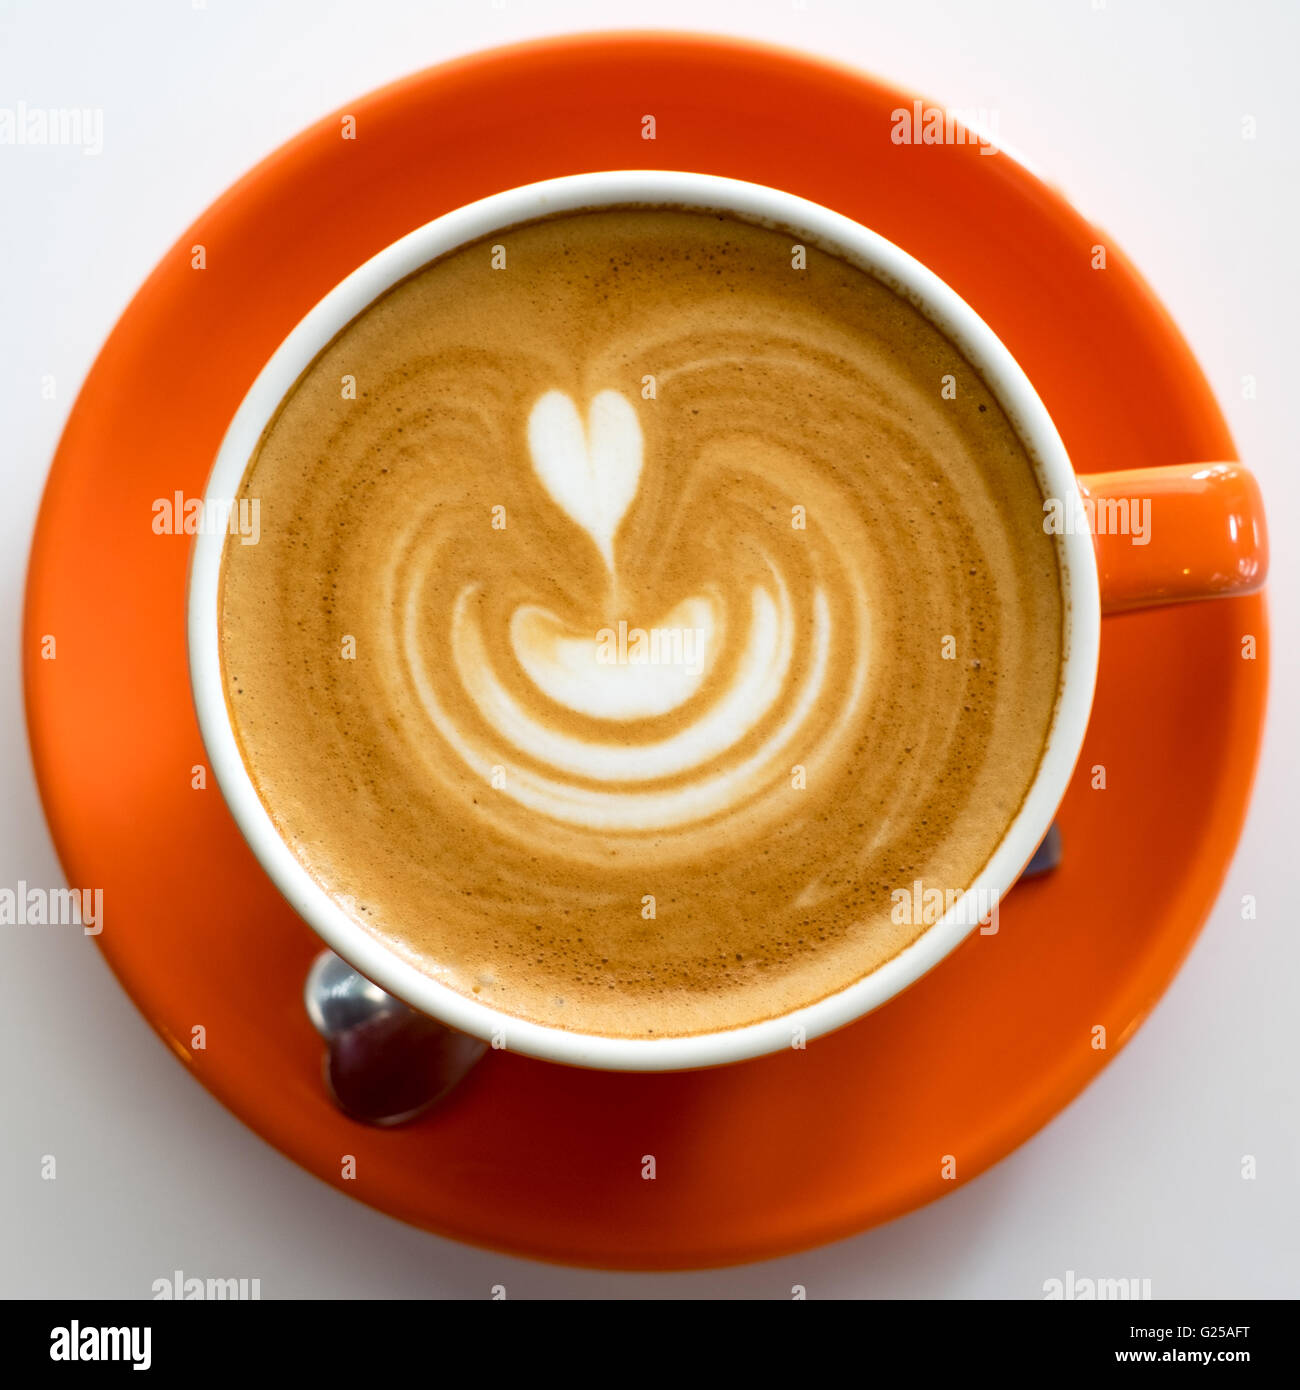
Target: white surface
{"points": [[1135, 110]]}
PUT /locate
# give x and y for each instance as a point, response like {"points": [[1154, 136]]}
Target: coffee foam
{"points": [[698, 668]]}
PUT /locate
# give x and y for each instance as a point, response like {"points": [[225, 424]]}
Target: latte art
{"points": [[648, 617], [742, 717]]}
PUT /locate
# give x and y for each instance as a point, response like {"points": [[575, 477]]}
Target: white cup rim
{"points": [[815, 224]]}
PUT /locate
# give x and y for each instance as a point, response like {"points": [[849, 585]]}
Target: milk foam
{"points": [[591, 473]]}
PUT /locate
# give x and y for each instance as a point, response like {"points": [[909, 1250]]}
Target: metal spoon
{"points": [[1047, 856], [384, 1062]]}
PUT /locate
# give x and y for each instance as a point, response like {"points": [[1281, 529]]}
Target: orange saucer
{"points": [[752, 1160]]}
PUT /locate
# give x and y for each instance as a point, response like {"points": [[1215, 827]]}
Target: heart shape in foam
{"points": [[591, 473]]}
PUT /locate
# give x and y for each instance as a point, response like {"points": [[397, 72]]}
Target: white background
{"points": [[1134, 110]]}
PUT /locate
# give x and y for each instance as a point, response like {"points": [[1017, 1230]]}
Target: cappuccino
{"points": [[642, 600]]}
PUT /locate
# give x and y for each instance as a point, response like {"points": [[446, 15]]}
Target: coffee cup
{"points": [[1121, 540]]}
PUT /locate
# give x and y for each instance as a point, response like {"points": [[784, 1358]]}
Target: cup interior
{"points": [[812, 224]]}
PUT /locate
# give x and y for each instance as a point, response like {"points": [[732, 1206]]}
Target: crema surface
{"points": [[636, 612]]}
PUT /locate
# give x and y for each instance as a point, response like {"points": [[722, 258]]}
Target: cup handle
{"points": [[1171, 535]]}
